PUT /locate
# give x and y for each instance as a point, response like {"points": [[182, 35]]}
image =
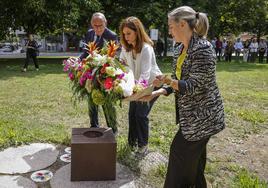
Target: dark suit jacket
{"points": [[107, 36]]}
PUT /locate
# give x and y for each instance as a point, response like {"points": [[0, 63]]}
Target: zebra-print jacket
{"points": [[201, 112]]}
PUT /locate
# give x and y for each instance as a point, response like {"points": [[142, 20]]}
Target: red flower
{"points": [[108, 83]]}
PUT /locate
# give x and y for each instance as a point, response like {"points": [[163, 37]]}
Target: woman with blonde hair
{"points": [[138, 53], [199, 104]]}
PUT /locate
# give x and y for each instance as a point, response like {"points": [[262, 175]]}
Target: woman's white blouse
{"points": [[144, 66]]}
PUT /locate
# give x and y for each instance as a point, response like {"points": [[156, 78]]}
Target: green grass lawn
{"points": [[37, 107]]}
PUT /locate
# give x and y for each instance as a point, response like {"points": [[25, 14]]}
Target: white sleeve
{"points": [[146, 63], [123, 55]]}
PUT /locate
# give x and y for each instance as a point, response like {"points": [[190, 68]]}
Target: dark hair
{"points": [[134, 24]]}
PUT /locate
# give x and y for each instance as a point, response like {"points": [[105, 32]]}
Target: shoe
{"points": [[37, 69], [142, 151], [115, 134], [23, 70]]}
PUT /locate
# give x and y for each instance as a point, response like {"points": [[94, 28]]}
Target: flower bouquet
{"points": [[102, 79]]}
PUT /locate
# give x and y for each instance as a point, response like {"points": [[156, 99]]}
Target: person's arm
{"points": [[146, 63], [241, 45], [154, 94], [26, 43], [114, 38], [36, 45], [122, 56], [202, 71]]}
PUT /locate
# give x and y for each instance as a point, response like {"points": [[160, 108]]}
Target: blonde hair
{"points": [[134, 24], [197, 21]]}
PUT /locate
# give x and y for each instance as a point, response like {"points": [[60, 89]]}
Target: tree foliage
{"points": [[46, 16], [49, 16]]}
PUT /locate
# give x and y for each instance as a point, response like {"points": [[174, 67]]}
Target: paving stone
{"points": [[124, 179], [27, 158], [16, 182], [152, 161]]}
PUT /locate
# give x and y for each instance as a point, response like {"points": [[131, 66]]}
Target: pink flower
{"points": [[82, 81], [144, 83], [121, 76], [123, 62], [66, 68], [80, 68], [108, 83], [71, 76], [88, 75]]}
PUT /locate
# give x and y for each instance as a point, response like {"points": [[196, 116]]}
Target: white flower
{"points": [[127, 84], [99, 60], [110, 71], [118, 72]]}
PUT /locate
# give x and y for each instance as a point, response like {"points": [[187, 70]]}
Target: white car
{"points": [[7, 49]]}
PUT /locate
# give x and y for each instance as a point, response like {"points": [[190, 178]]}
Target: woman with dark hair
{"points": [[199, 104], [138, 53]]}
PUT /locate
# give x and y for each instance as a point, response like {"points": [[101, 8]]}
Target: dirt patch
{"points": [[250, 153]]}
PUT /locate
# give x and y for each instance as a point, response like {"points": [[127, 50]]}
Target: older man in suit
{"points": [[100, 34]]}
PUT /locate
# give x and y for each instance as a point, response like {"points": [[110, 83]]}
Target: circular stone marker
{"points": [[66, 158], [68, 150], [16, 182], [62, 179], [27, 158], [41, 176]]}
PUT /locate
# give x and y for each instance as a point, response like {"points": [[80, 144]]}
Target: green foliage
{"points": [[46, 16], [252, 116], [246, 180], [232, 16], [14, 133], [49, 16]]}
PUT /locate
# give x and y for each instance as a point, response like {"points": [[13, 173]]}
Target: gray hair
{"points": [[197, 21], [99, 15]]}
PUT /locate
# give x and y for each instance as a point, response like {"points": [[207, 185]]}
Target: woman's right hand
{"points": [[154, 94], [160, 80]]}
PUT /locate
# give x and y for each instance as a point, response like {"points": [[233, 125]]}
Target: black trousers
{"points": [[187, 161], [261, 56], [30, 55], [138, 132], [253, 56], [228, 57], [218, 53]]}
